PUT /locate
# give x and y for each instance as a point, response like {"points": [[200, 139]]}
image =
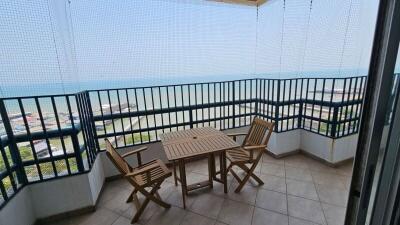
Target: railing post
{"points": [[77, 151], [334, 123], [191, 117], [14, 152], [233, 104], [277, 106], [300, 116]]}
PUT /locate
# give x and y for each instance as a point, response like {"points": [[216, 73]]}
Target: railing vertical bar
{"points": [[7, 165], [153, 107], [209, 108], [215, 101], [28, 133], [306, 104], [202, 102], [240, 105], [147, 116], [321, 107], [352, 107], [168, 105], [130, 118], [295, 98], [46, 136], [347, 106], [61, 136], [195, 103], [112, 120], [341, 107], [277, 116], [301, 106], [122, 119], [283, 106], [360, 92], [82, 120], [101, 111], [313, 104], [329, 125], [264, 90], [289, 105], [176, 113], [3, 191], [161, 107], [75, 140], [139, 119], [183, 104]]}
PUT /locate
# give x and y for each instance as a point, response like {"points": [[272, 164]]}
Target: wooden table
{"points": [[182, 145]]}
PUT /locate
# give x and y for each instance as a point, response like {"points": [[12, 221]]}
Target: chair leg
{"points": [[255, 177], [140, 211], [150, 196], [130, 198], [246, 178]]}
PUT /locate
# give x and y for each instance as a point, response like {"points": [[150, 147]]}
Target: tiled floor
{"points": [[297, 191]]}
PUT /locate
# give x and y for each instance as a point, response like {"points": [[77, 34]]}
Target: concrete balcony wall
{"points": [[54, 197], [327, 149], [19, 210]]}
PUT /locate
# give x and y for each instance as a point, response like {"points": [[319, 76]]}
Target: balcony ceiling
{"points": [[243, 2]]}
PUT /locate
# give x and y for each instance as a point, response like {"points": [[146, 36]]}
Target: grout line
{"points": [[287, 201]]}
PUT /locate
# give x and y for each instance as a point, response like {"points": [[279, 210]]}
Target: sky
{"points": [[59, 42]]}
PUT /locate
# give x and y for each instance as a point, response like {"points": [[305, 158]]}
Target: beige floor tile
{"points": [[124, 221], [265, 217], [117, 203], [273, 169], [316, 166], [176, 199], [99, 217], [301, 189], [236, 213], [271, 200], [247, 195], [332, 195], [207, 205], [172, 216], [298, 174], [305, 209], [334, 214], [297, 221], [273, 183], [195, 219], [298, 161], [151, 209], [328, 179], [269, 159]]}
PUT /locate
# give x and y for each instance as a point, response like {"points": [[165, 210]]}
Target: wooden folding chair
{"points": [[148, 175], [250, 152]]}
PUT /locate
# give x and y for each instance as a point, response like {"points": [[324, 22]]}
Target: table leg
{"points": [[175, 175], [224, 173], [182, 174], [211, 169]]}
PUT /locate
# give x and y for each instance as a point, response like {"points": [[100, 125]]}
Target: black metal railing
{"points": [[48, 137]]}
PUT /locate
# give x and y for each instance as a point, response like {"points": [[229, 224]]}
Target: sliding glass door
{"points": [[374, 192]]}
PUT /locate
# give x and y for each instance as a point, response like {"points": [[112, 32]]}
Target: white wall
{"points": [[281, 143], [19, 210], [54, 197]]}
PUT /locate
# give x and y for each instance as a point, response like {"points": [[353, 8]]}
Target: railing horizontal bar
{"points": [[168, 110]]}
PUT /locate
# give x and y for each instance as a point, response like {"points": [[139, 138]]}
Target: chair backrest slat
{"points": [[117, 159], [259, 133]]}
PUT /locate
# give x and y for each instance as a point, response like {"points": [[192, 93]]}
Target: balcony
{"points": [[308, 160], [303, 188]]}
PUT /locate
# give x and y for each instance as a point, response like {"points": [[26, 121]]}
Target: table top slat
{"points": [[194, 142]]}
